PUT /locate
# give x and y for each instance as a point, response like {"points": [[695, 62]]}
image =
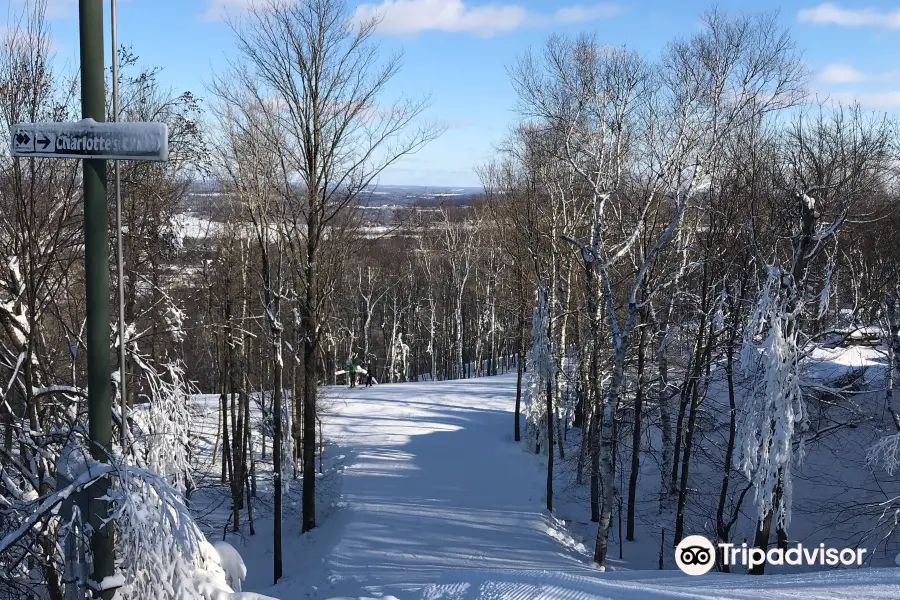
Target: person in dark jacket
{"points": [[369, 377]]}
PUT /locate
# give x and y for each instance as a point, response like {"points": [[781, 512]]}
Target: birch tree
{"points": [[648, 137]]}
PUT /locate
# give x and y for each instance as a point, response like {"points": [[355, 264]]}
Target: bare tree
{"points": [[643, 142], [251, 171], [323, 79]]}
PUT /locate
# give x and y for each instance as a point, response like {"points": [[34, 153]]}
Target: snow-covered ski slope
{"points": [[437, 501]]}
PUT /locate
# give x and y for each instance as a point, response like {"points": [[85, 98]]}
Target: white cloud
{"points": [[873, 98], [411, 16], [846, 73], [887, 100], [841, 73], [830, 13]]}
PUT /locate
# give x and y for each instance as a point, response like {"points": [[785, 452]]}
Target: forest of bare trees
{"points": [[652, 233]]}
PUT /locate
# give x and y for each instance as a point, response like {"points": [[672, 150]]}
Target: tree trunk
{"points": [[561, 362], [550, 416], [761, 539], [227, 468], [596, 392], [594, 433], [278, 366], [607, 474], [684, 401], [309, 436], [458, 315], [237, 483], [689, 432], [636, 438], [585, 402], [722, 530], [520, 348], [309, 427], [665, 414]]}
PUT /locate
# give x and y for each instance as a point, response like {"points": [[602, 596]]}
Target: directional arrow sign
{"points": [[90, 139]]}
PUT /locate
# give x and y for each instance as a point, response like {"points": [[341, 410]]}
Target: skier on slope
{"points": [[351, 373], [369, 368]]}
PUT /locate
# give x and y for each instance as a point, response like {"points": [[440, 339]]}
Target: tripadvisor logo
{"points": [[695, 555]]}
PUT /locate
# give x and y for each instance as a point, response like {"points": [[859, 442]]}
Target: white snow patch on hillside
{"points": [[191, 226]]}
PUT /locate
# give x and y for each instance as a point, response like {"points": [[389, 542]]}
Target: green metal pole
{"points": [[96, 267]]}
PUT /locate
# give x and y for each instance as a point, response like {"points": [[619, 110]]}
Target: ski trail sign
{"points": [[90, 139]]}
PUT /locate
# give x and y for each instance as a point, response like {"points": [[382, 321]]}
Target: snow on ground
{"points": [[192, 226], [827, 364], [433, 482], [871, 584], [427, 496]]}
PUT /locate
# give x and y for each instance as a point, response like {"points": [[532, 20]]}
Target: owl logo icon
{"points": [[695, 555]]}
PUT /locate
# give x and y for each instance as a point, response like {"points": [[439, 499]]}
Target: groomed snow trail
{"points": [[438, 502], [434, 483]]}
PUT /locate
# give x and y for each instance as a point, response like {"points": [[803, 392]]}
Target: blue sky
{"points": [[457, 51]]}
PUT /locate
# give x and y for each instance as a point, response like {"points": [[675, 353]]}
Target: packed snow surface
{"points": [[436, 501]]}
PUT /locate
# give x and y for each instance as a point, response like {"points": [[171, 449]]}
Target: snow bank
{"points": [[556, 529], [827, 364], [223, 572], [232, 564]]}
